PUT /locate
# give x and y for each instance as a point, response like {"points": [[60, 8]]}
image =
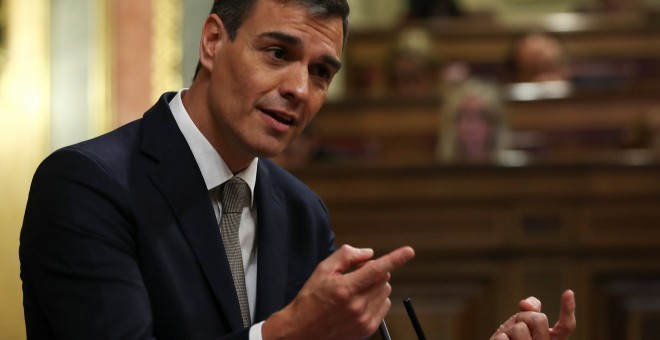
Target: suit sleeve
{"points": [[81, 278]]}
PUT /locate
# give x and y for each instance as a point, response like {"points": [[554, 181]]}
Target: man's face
{"points": [[268, 83], [540, 59]]}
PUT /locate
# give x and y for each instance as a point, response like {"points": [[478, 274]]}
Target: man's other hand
{"points": [[530, 323]]}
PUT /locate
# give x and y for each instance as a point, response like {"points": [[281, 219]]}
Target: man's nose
{"points": [[295, 84]]}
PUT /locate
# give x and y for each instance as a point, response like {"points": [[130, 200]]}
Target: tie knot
{"points": [[234, 195]]}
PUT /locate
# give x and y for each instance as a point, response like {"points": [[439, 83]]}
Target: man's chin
{"points": [[268, 147], [269, 152]]}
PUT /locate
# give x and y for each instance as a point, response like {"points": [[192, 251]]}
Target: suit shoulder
{"points": [[115, 144], [122, 139], [107, 154]]}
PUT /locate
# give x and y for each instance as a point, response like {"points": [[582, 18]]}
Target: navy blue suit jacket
{"points": [[120, 240]]}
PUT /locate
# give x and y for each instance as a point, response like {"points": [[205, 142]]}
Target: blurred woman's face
{"points": [[474, 130]]}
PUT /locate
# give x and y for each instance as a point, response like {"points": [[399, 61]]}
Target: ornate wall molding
{"points": [[101, 92], [167, 45], [3, 32]]}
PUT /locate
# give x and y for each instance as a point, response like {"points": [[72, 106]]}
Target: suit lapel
{"points": [[179, 180], [272, 241]]}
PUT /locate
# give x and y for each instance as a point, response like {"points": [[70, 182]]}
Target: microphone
{"points": [[384, 333], [413, 318]]}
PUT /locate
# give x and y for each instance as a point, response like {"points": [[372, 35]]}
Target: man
{"points": [[536, 57], [124, 235]]}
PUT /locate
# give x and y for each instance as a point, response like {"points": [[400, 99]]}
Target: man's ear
{"points": [[213, 33]]}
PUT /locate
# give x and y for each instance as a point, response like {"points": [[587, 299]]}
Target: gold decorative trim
{"points": [[3, 32], [167, 51], [100, 93], [24, 137]]}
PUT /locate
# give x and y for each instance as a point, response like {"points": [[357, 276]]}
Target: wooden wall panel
{"points": [[487, 237]]}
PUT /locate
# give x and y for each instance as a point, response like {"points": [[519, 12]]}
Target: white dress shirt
{"points": [[215, 172]]}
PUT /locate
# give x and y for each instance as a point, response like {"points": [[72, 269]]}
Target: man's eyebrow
{"points": [[293, 40], [287, 38], [334, 62]]}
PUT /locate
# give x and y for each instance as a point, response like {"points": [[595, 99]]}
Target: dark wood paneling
{"points": [[488, 236]]}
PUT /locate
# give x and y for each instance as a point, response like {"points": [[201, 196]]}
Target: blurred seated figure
{"points": [[412, 70], [642, 138], [536, 57], [537, 67], [473, 126]]}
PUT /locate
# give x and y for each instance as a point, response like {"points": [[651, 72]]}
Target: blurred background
{"points": [[513, 143]]}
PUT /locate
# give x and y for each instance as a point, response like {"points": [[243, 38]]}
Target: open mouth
{"points": [[278, 117]]}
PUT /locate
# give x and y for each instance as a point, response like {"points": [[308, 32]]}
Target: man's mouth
{"points": [[279, 117]]}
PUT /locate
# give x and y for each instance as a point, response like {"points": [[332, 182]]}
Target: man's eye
{"points": [[277, 53], [322, 72]]}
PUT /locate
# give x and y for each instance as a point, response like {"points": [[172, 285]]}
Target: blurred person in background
{"points": [[537, 67], [537, 56], [473, 124], [412, 70]]}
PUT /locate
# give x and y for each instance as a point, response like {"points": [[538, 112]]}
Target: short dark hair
{"points": [[233, 13]]}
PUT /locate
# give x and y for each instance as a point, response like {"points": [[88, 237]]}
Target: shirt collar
{"points": [[214, 169]]}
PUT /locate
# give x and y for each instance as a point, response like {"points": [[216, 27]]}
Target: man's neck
{"points": [[196, 106]]}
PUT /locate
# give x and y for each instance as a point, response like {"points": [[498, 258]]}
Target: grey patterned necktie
{"points": [[234, 195]]}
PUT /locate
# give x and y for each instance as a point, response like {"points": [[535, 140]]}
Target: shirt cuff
{"points": [[255, 331]]}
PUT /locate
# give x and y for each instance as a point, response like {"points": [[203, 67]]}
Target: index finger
{"points": [[378, 269], [530, 304], [537, 324]]}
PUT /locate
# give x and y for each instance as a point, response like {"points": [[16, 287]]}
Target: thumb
{"points": [[566, 323], [347, 257]]}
